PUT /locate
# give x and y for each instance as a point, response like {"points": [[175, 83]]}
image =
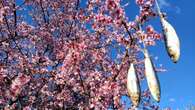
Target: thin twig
{"points": [[42, 9], [129, 33]]}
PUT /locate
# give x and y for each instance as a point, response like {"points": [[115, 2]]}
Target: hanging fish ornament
{"points": [[171, 40], [151, 77], [133, 87]]}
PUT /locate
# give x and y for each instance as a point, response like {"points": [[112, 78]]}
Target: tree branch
{"points": [[129, 33], [42, 9]]}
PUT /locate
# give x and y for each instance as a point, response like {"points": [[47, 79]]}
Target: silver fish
{"points": [[171, 40], [151, 77], [133, 86]]}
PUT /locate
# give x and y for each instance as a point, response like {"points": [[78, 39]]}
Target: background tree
{"points": [[59, 54]]}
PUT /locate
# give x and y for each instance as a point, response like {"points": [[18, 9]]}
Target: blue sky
{"points": [[177, 83]]}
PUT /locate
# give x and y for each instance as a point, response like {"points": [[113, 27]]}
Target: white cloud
{"points": [[171, 100], [165, 4]]}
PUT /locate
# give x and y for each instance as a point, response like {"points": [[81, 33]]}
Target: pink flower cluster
{"points": [[69, 54]]}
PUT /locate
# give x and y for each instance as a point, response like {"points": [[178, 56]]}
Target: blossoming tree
{"points": [[56, 54]]}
